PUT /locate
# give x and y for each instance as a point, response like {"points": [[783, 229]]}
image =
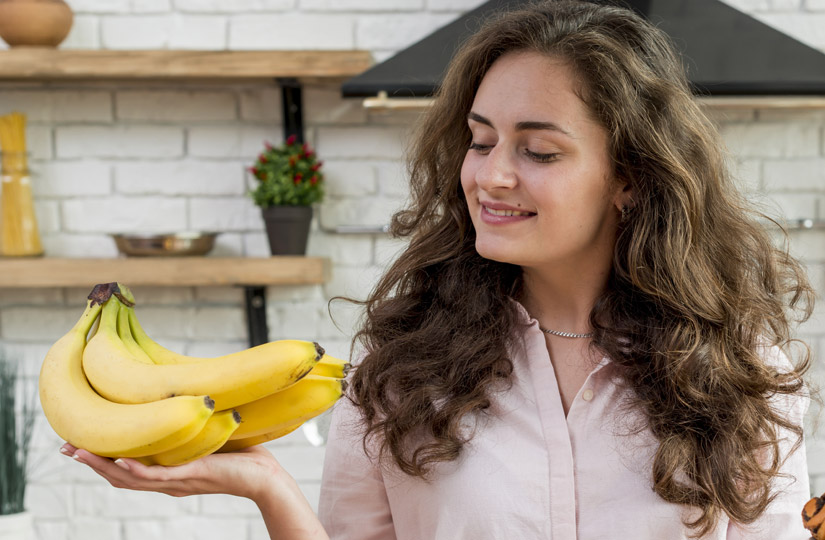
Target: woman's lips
{"points": [[487, 216]]}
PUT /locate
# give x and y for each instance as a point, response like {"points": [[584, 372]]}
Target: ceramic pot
{"points": [[17, 526], [35, 23], [287, 228]]}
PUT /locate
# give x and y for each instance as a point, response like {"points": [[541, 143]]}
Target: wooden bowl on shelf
{"points": [[35, 23], [182, 244]]}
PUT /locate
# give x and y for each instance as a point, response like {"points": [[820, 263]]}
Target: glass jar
{"points": [[19, 236]]}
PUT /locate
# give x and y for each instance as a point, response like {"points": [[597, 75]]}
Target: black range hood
{"points": [[727, 52]]}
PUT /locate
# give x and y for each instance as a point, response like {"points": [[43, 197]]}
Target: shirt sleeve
{"points": [[353, 504], [782, 519]]}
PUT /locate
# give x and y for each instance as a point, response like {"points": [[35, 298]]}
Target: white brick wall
{"points": [[145, 156]]}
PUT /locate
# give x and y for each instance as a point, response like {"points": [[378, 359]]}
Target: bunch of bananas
{"points": [[108, 388]]}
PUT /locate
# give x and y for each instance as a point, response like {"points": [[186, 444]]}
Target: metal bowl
{"points": [[165, 245]]}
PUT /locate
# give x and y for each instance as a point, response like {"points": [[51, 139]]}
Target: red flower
{"points": [[292, 160], [262, 158], [313, 180], [297, 179], [268, 146], [291, 140], [316, 167]]}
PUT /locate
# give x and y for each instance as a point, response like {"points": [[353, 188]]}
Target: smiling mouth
{"points": [[507, 212]]}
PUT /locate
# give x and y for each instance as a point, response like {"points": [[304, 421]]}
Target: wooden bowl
{"points": [[182, 244], [35, 23]]}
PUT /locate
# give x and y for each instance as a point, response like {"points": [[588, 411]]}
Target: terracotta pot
{"points": [[35, 23]]}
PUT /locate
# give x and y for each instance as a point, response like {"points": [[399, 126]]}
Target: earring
{"points": [[625, 213]]}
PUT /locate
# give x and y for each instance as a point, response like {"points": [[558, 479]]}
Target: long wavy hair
{"points": [[697, 284]]}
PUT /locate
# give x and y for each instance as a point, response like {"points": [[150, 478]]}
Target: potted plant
{"points": [[16, 425], [289, 181]]}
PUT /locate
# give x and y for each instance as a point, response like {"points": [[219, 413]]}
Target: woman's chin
{"points": [[498, 253]]}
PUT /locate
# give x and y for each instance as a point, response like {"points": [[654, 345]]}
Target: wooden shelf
{"points": [[72, 64], [164, 271]]}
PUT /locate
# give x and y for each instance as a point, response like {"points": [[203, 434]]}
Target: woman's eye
{"points": [[480, 148], [541, 158]]}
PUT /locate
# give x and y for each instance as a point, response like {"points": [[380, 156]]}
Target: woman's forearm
{"points": [[288, 515]]}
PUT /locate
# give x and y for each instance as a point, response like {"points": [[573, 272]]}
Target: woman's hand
{"points": [[249, 473]]}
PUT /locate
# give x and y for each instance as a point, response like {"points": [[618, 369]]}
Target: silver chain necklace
{"points": [[565, 334]]}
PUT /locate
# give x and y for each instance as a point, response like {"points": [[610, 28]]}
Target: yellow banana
{"points": [[213, 435], [328, 366], [229, 380], [86, 420], [238, 444], [306, 399], [125, 335]]}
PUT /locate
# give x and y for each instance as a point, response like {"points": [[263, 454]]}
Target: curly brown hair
{"points": [[697, 285]]}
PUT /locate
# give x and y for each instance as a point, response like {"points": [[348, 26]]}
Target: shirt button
{"points": [[587, 395]]}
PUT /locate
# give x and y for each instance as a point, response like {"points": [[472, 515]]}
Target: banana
{"points": [[86, 420], [328, 366], [229, 380], [125, 335], [213, 435], [238, 444], [306, 399]]}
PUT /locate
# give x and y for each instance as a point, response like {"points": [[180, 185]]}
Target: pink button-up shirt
{"points": [[530, 473]]}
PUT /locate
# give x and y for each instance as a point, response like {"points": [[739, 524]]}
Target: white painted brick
{"points": [[361, 5], [816, 275], [747, 175], [324, 105], [343, 250], [349, 178], [396, 31], [121, 141], [51, 530], [361, 142], [167, 323], [121, 214], [817, 485], [30, 296], [296, 293], [34, 103], [84, 34], [303, 464], [393, 180], [256, 245], [230, 141], [367, 212], [387, 250], [453, 5], [89, 528], [151, 6], [180, 178], [219, 323], [291, 31], [297, 321], [99, 6], [809, 246], [791, 115], [262, 105], [340, 322], [71, 178], [224, 214], [175, 106], [228, 245], [105, 501], [204, 528], [229, 505], [79, 245], [352, 282], [49, 466], [797, 175], [815, 5], [393, 117], [36, 324], [793, 206], [772, 140], [236, 6], [39, 142], [47, 214], [161, 296], [231, 296], [143, 529], [82, 106], [49, 501], [175, 31]]}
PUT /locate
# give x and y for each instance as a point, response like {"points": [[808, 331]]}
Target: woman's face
{"points": [[537, 176]]}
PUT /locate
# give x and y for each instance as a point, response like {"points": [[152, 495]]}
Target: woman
{"points": [[583, 338]]}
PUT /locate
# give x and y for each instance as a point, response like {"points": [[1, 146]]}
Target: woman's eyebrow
{"points": [[526, 125]]}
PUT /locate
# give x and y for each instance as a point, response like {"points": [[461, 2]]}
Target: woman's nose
{"points": [[497, 170]]}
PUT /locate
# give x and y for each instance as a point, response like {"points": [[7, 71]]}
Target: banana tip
{"points": [[209, 402], [319, 351], [236, 416]]}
